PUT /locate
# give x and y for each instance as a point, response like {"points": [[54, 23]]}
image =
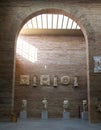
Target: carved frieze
{"points": [[65, 80], [44, 80], [24, 79]]}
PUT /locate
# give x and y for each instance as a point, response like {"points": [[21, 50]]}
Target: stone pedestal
{"points": [[44, 115], [84, 115], [23, 115], [66, 115]]}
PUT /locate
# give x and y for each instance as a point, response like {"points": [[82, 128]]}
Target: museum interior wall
{"points": [[13, 15], [57, 56]]}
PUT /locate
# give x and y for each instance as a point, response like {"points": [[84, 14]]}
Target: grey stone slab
{"points": [[44, 115], [66, 115], [23, 115], [84, 115]]}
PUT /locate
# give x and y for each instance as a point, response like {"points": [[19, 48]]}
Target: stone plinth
{"points": [[44, 115], [23, 115], [66, 115], [84, 115]]}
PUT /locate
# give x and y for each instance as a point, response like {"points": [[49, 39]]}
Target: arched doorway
{"points": [[41, 69]]}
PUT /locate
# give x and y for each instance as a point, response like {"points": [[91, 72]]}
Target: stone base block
{"points": [[44, 115], [23, 115], [66, 115], [84, 115]]}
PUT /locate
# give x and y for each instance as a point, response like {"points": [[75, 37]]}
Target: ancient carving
{"points": [[55, 81], [34, 81], [65, 104], [24, 105], [45, 80], [24, 79], [45, 104], [65, 80], [75, 81], [85, 106]]}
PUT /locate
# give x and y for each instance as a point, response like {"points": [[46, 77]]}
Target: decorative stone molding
{"points": [[65, 80], [55, 81], [44, 80], [75, 81], [34, 81], [24, 79]]}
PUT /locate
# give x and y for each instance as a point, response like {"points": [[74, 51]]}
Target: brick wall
{"points": [[13, 14], [63, 56]]}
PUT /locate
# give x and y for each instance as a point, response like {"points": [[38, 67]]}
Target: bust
{"points": [[45, 104], [65, 104], [84, 105], [24, 104]]}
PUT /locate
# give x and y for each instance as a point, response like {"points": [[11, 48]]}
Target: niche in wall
{"points": [[62, 55]]}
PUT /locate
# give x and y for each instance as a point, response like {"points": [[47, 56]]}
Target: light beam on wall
{"points": [[26, 50]]}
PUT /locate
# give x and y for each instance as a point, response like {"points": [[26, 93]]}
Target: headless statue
{"points": [[45, 104], [24, 105], [65, 104], [84, 105]]}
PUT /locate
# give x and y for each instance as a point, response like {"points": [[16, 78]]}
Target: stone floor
{"points": [[50, 124]]}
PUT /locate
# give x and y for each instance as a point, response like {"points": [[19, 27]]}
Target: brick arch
{"points": [[80, 19], [75, 15]]}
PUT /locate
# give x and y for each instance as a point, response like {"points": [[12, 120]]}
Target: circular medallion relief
{"points": [[65, 80]]}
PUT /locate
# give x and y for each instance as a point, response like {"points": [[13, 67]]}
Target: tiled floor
{"points": [[50, 124]]}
